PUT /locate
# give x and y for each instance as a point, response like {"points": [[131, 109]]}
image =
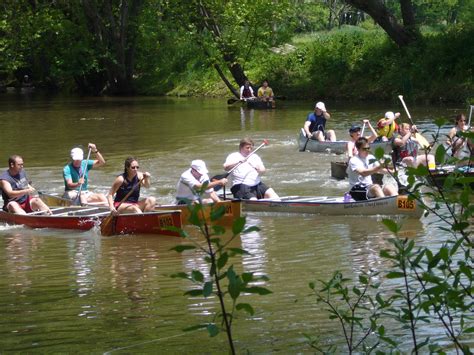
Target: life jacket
{"points": [[246, 92], [387, 130]]}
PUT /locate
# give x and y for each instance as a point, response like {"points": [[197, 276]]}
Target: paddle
{"points": [[107, 227], [421, 140], [225, 175], [362, 132], [77, 200]]}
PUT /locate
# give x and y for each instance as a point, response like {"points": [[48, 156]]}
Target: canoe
{"points": [[335, 206], [337, 147], [439, 176], [338, 171], [233, 208], [86, 218], [259, 105]]}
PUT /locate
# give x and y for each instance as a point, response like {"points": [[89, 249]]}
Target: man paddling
{"points": [[16, 190], [246, 170], [360, 172], [315, 125], [76, 176], [193, 179]]}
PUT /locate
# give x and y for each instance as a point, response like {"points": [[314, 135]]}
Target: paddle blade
{"points": [[107, 227], [422, 141], [265, 141]]}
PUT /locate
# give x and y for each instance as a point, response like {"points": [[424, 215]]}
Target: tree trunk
{"points": [[401, 35]]}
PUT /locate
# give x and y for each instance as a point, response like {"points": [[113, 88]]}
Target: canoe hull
{"points": [[335, 206], [259, 105], [337, 147], [86, 218], [233, 210]]}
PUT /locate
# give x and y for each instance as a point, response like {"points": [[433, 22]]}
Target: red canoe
{"points": [[85, 218]]}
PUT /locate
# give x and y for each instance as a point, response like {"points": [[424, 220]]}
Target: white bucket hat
{"points": [[77, 154], [199, 166]]}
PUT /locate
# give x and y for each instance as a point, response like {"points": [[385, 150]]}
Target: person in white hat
{"points": [[315, 125], [387, 126], [76, 176], [192, 180]]}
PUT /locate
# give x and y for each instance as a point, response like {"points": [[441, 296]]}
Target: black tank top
{"points": [[125, 188]]}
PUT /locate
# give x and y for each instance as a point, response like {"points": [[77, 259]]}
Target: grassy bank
{"points": [[355, 64]]}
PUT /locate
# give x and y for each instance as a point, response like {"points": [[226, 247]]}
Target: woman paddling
{"points": [[130, 180]]}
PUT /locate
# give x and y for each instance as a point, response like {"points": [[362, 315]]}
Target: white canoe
{"points": [[337, 147], [335, 206]]}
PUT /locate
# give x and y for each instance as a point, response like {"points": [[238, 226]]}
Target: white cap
{"points": [[389, 115], [77, 154], [321, 106], [199, 166]]}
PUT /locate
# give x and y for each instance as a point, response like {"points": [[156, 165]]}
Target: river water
{"points": [[66, 291]]}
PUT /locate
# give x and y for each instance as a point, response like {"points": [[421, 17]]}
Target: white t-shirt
{"points": [[357, 162], [245, 173], [186, 183]]}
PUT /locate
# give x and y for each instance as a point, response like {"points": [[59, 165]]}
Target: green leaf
{"points": [[197, 275], [218, 230], [222, 260], [394, 275], [258, 290], [391, 225], [363, 279], [193, 293], [246, 307], [212, 329], [181, 248], [180, 275], [247, 277], [238, 225], [238, 251], [207, 289], [251, 229], [469, 330], [217, 213], [195, 327], [440, 154]]}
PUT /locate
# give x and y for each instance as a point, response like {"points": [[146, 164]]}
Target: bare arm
{"points": [[113, 190], [7, 188]]}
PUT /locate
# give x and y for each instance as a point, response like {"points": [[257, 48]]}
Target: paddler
{"points": [[360, 170], [387, 126], [17, 191], [76, 176]]}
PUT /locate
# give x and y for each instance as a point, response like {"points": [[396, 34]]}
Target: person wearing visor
{"points": [[355, 133], [315, 124], [76, 176], [360, 170], [192, 180]]}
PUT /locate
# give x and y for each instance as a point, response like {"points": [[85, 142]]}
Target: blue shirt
{"points": [[73, 173], [318, 123]]}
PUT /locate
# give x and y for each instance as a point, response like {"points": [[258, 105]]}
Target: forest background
{"points": [[307, 49]]}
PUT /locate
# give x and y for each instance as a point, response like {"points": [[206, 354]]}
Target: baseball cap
{"points": [[199, 166], [321, 106], [354, 128], [389, 115], [77, 154]]}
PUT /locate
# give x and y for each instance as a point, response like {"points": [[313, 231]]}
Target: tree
{"points": [[402, 34]]}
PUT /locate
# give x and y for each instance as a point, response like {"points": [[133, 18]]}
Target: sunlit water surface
{"points": [[63, 291]]}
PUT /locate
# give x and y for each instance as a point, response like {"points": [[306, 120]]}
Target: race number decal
{"points": [[403, 203], [165, 221]]}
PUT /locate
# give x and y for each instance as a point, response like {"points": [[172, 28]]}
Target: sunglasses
{"points": [[365, 148], [136, 167]]}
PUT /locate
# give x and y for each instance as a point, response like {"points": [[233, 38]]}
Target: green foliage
{"points": [[222, 282], [435, 284]]}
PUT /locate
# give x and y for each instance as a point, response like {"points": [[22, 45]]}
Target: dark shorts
{"points": [[359, 192], [245, 192]]}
